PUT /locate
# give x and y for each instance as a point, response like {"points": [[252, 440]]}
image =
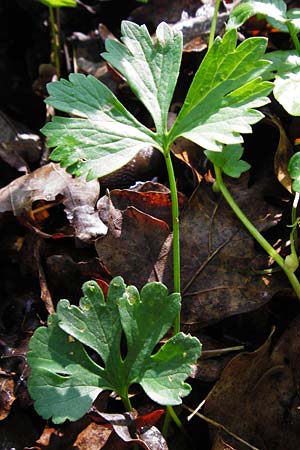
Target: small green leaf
{"points": [[275, 9], [64, 381], [229, 160], [286, 69], [59, 3], [294, 170], [104, 137], [151, 70], [227, 87]]}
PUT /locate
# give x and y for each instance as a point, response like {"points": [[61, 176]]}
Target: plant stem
{"points": [[294, 36], [126, 401], [255, 233], [213, 25], [175, 223], [55, 41]]}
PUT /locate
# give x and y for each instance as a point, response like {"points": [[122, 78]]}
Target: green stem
{"points": [[55, 41], [175, 223], [213, 25], [294, 36], [126, 401], [255, 233]]}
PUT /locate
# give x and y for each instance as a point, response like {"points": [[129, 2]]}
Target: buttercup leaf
{"points": [[229, 160], [64, 381], [225, 90]]}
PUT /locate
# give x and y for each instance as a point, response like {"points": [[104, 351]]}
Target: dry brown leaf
{"points": [[49, 182], [7, 397], [261, 389]]}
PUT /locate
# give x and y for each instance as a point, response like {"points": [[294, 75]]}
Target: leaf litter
{"points": [[216, 255]]}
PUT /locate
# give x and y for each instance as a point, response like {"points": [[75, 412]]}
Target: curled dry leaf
{"points": [[49, 182], [283, 154]]}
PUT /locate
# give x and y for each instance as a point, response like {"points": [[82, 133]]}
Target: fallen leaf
{"points": [[47, 183], [93, 437], [283, 154], [262, 389], [7, 396], [139, 239]]}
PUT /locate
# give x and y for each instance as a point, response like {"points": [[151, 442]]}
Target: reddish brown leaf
{"points": [[134, 247]]}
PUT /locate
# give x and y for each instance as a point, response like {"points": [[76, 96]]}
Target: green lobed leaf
{"points": [[286, 70], [229, 160], [275, 9], [150, 69], [59, 3], [104, 137], [225, 91], [64, 381], [294, 170]]}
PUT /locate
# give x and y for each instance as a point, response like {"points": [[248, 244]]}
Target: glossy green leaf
{"points": [[275, 9], [103, 138], [221, 101], [229, 160], [59, 3], [64, 381], [294, 170], [286, 70], [151, 70]]}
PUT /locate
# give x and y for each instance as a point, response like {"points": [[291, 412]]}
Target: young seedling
{"points": [[220, 105], [64, 379]]}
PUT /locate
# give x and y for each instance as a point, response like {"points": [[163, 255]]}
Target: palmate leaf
{"points": [[64, 380], [106, 136], [225, 90]]}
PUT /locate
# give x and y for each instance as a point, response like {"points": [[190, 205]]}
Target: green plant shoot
{"points": [[65, 380], [104, 135]]}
